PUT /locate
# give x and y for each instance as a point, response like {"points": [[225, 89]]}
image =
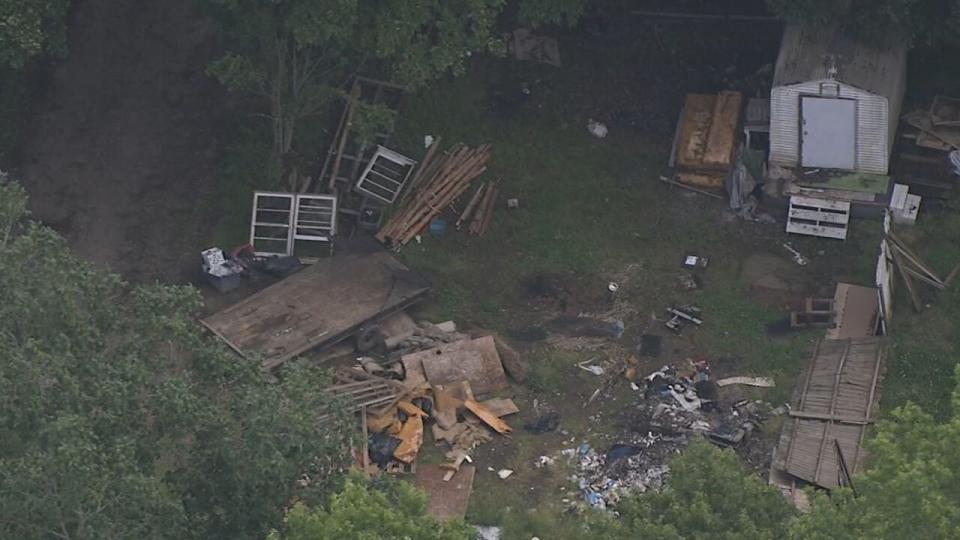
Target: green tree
{"points": [[384, 508], [119, 419], [911, 490], [708, 496], [31, 28], [930, 22], [297, 54]]}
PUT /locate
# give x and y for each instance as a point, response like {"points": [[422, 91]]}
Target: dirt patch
{"points": [[774, 281], [121, 153]]}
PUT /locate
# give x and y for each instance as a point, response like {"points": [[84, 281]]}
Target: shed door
{"points": [[828, 133]]}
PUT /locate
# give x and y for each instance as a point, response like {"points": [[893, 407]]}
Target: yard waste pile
{"points": [[676, 406]]}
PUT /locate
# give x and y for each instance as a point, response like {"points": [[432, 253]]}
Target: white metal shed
{"points": [[835, 101]]}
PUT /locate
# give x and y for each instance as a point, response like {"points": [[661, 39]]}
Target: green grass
{"points": [[925, 347]]}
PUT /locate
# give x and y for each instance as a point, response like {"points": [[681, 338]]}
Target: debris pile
{"points": [[428, 379], [676, 407]]}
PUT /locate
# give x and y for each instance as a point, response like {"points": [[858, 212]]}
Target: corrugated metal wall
{"points": [[873, 125]]}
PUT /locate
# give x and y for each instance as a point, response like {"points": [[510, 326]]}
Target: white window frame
{"points": [[297, 226], [254, 224], [373, 178]]}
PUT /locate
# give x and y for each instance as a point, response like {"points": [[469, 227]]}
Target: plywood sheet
{"points": [[463, 365], [694, 129], [447, 501], [724, 132], [317, 306], [489, 378], [857, 310]]}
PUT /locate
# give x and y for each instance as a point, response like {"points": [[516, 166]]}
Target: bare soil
{"points": [[121, 154]]}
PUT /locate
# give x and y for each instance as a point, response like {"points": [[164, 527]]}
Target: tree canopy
{"points": [[31, 28], [119, 419], [709, 495], [297, 54], [383, 508], [930, 22], [911, 490]]}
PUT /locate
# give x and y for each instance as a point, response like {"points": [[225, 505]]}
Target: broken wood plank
{"points": [[487, 416], [500, 407], [474, 200], [911, 256], [907, 281]]}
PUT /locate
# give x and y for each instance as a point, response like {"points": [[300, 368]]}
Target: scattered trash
{"points": [[595, 369], [381, 447], [427, 141], [688, 282], [544, 424], [544, 461], [620, 451], [763, 382], [954, 158], [488, 533], [650, 345], [695, 261], [678, 405], [513, 204], [683, 316], [504, 473], [597, 129], [222, 273], [797, 257]]}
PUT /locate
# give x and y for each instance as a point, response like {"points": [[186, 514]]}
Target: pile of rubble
{"points": [[676, 407], [429, 375]]}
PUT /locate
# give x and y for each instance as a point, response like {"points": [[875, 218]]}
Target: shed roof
{"points": [[813, 54]]}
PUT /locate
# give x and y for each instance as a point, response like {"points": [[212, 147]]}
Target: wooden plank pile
{"points": [[436, 184], [479, 211]]}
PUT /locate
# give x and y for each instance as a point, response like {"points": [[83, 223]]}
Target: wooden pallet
{"points": [[818, 217]]}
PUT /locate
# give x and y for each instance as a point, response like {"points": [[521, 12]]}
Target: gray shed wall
{"points": [[875, 127]]}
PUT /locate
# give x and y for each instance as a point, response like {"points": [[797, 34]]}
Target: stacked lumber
{"points": [[439, 182], [479, 210]]}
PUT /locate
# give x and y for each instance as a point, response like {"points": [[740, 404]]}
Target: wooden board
{"points": [[836, 399], [723, 136], [318, 306], [447, 501], [694, 129], [489, 378], [703, 180], [462, 365], [857, 311]]}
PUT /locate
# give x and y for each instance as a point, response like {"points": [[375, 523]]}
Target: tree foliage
{"points": [[709, 496], [31, 28], [911, 490], [384, 508], [930, 22], [297, 54], [119, 419]]}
